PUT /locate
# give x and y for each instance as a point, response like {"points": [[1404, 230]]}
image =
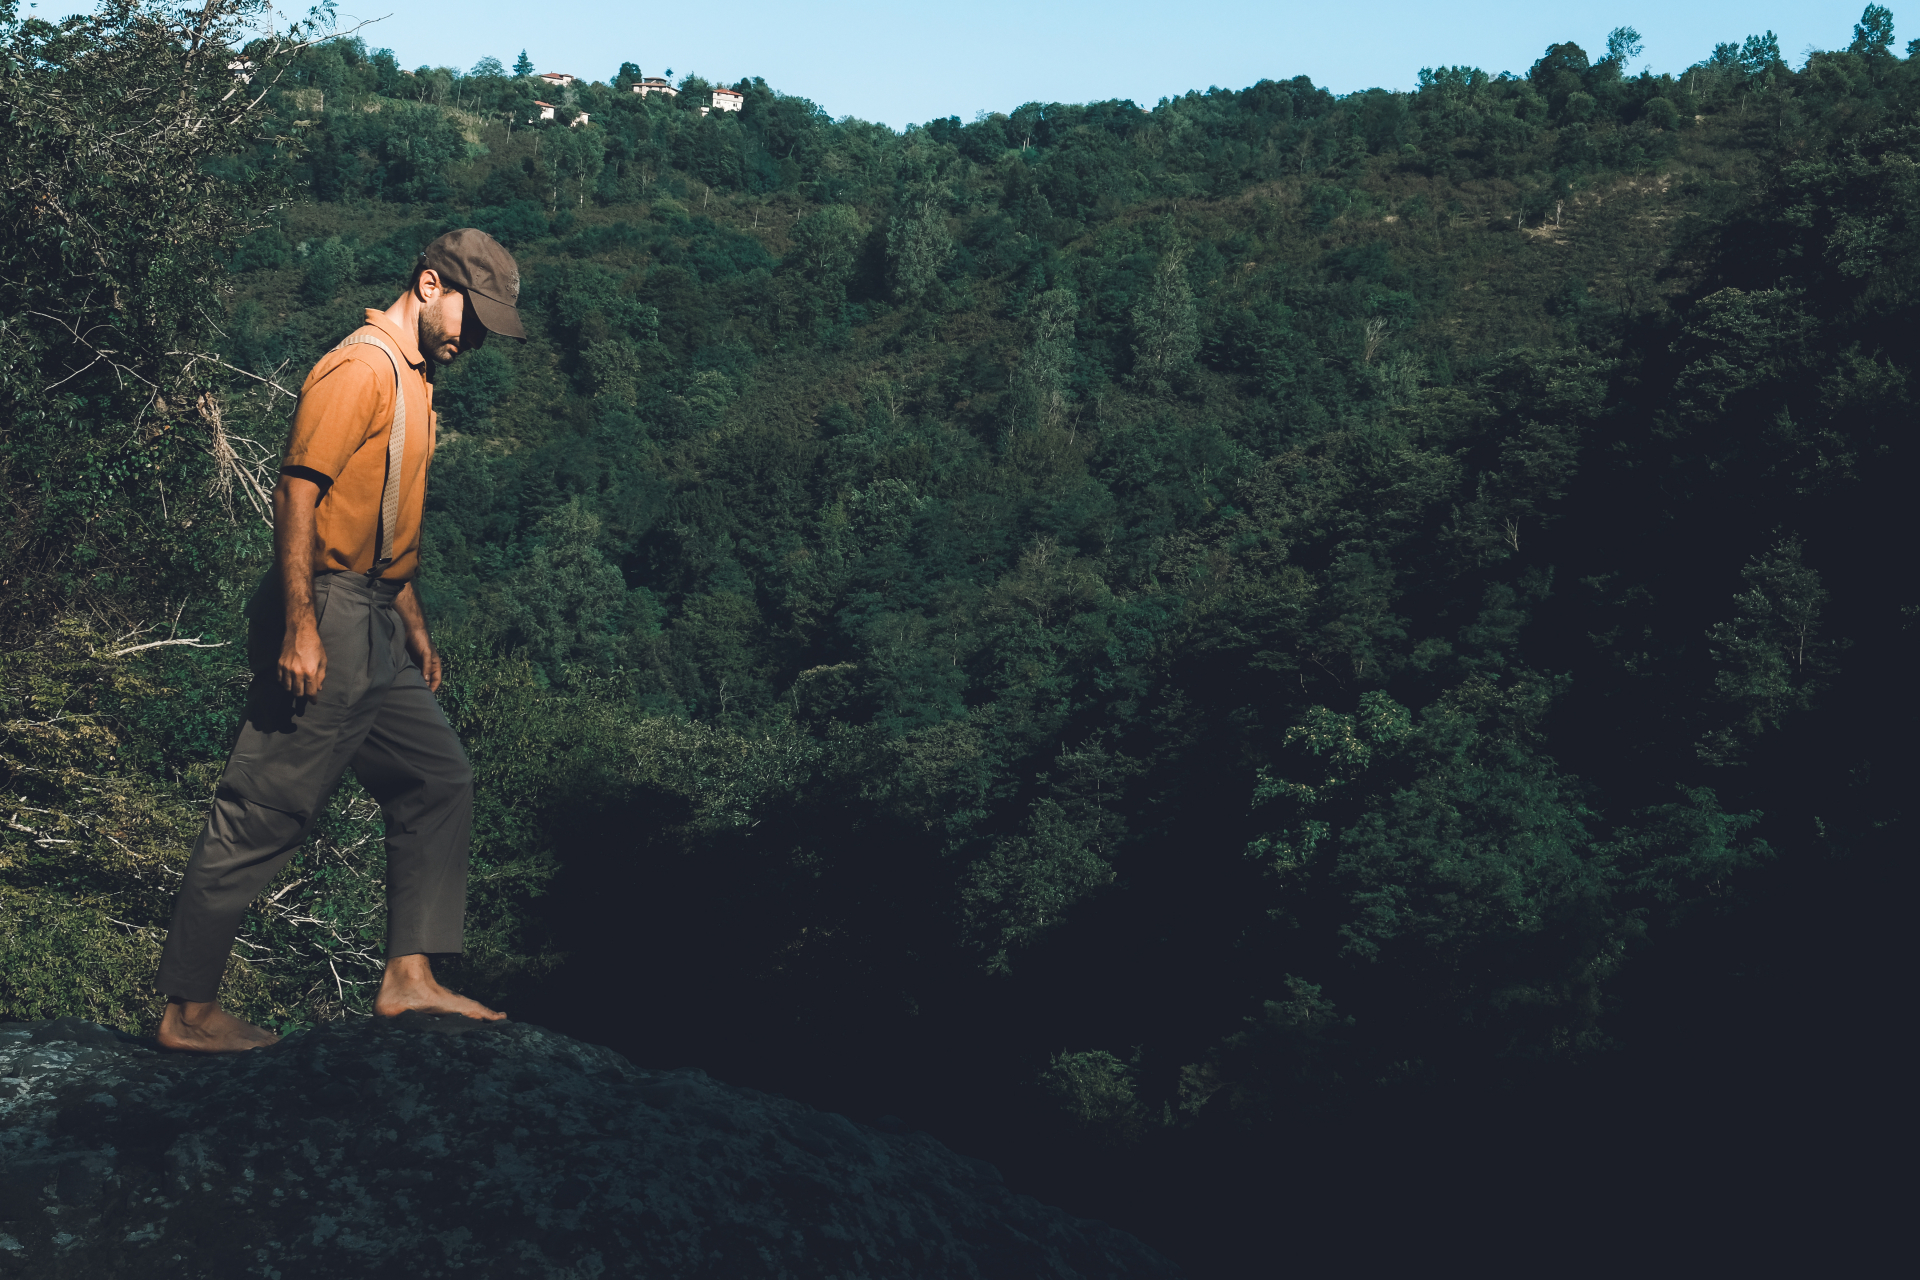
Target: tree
{"points": [[827, 241], [1559, 70], [918, 248], [121, 215], [1760, 54], [1050, 317], [1771, 651], [576, 155], [1165, 331], [488, 67], [1873, 34], [1623, 45], [523, 65], [572, 611]]}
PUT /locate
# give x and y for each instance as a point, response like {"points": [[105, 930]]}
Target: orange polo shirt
{"points": [[340, 431]]}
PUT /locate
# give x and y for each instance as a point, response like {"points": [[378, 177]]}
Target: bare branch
{"points": [[201, 355], [191, 642]]}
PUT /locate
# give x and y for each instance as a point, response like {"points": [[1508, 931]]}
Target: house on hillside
{"points": [[546, 110], [727, 100], [654, 84], [558, 79]]}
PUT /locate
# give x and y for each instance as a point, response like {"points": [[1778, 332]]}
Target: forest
{"points": [[1238, 658]]}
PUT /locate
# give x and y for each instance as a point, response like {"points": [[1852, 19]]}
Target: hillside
{"points": [[1130, 631]]}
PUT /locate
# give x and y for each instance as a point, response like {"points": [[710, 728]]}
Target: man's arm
{"points": [[425, 656], [303, 660]]}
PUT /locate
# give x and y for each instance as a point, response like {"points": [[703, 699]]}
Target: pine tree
{"points": [[523, 65]]}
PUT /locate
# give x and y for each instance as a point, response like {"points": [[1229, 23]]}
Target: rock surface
{"points": [[423, 1147]]}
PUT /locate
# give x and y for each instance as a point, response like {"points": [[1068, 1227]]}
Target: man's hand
{"points": [[419, 644], [426, 657], [303, 659]]}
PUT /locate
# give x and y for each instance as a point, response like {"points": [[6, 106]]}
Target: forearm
{"points": [[303, 659], [293, 504], [412, 615], [414, 618]]}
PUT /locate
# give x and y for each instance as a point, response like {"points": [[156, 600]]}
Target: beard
{"points": [[434, 335]]}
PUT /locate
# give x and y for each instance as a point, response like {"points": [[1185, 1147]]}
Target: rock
{"points": [[425, 1146]]}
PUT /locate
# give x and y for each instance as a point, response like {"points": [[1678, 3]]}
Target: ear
{"points": [[428, 286]]}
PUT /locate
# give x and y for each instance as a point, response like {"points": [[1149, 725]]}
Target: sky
{"points": [[903, 63]]}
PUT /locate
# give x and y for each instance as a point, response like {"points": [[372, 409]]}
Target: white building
{"points": [[727, 100], [558, 79], [655, 84], [546, 113]]}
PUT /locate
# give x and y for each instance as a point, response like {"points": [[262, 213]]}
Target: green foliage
{"points": [[94, 836], [1873, 34], [981, 557], [918, 249], [329, 265], [1027, 883], [469, 393], [1284, 1058], [1771, 651], [1166, 333], [1098, 1092], [115, 258], [568, 596], [61, 959]]}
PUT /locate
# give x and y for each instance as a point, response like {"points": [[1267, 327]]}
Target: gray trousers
{"points": [[374, 715]]}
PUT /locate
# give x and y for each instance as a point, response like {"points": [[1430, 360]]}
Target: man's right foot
{"points": [[194, 1027]]}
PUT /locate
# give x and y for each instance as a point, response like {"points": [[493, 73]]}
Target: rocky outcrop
{"points": [[424, 1147]]}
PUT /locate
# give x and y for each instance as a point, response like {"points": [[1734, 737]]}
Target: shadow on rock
{"points": [[435, 1146]]}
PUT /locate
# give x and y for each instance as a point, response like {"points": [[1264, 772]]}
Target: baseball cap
{"points": [[472, 260]]}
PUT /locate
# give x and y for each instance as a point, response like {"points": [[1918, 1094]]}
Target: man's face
{"points": [[448, 324]]}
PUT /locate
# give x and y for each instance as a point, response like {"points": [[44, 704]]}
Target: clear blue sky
{"points": [[902, 63]]}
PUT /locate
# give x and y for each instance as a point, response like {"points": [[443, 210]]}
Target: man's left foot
{"points": [[409, 987]]}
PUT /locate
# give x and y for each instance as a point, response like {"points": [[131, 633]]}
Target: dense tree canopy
{"points": [[1204, 610]]}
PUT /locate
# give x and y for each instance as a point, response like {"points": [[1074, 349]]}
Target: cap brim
{"points": [[497, 316]]}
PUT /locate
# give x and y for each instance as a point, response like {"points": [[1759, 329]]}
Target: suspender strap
{"points": [[396, 446]]}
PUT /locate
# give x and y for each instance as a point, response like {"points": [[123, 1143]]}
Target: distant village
{"points": [[720, 99]]}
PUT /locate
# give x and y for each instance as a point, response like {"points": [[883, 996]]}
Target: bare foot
{"points": [[193, 1026], [409, 985]]}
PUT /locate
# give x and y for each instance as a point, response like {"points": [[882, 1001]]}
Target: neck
{"points": [[405, 312]]}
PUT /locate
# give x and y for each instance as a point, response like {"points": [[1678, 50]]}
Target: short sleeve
{"points": [[338, 407]]}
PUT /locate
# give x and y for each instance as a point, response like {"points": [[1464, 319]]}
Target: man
{"points": [[344, 672]]}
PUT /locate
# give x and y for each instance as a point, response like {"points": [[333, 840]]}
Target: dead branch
{"points": [[191, 642], [201, 355]]}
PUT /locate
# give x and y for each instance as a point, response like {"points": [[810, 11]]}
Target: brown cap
{"points": [[472, 260]]}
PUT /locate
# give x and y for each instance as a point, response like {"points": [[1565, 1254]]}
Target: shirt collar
{"points": [[409, 343]]}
